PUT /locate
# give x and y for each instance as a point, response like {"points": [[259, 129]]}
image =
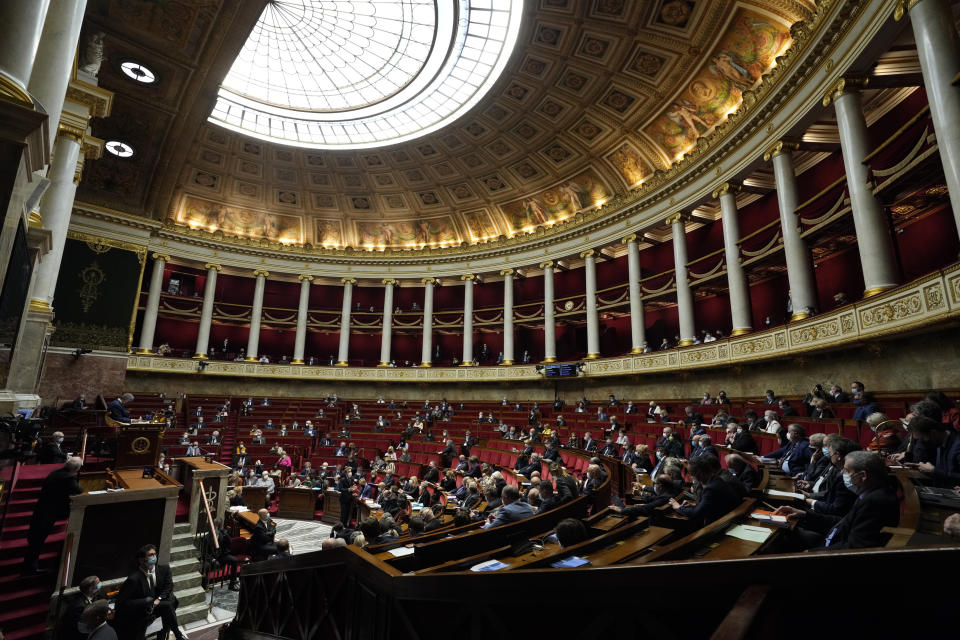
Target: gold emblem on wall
{"points": [[92, 277], [140, 445]]}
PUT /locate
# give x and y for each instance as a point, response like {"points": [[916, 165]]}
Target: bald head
{"points": [[73, 463], [333, 543]]}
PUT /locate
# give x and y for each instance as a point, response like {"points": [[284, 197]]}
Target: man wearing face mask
{"points": [[70, 627], [865, 405], [876, 506], [664, 488], [262, 536], [741, 440], [943, 444], [670, 443], [793, 457], [147, 594], [51, 453], [837, 499]]}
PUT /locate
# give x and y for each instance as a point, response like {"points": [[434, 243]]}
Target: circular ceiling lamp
{"points": [[138, 72], [334, 74], [119, 149]]}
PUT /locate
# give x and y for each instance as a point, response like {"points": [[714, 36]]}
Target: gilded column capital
{"points": [[92, 148], [72, 131], [627, 239], [428, 281], [589, 253], [778, 148], [506, 272], [468, 277], [902, 8], [546, 264], [304, 276], [261, 273], [211, 265], [388, 281], [348, 281], [679, 216], [725, 188], [161, 256], [842, 86]]}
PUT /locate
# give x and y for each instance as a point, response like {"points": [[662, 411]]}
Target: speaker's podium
{"points": [[121, 509]]}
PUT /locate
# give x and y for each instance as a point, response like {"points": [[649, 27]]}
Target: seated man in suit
{"points": [[94, 617], [512, 510], [876, 507], [261, 540], [943, 443], [692, 418], [717, 497], [739, 438], [836, 499], [118, 408], [51, 453], [793, 457], [703, 446], [548, 498], [214, 438], [72, 608], [193, 451], [610, 449], [670, 443], [534, 465], [742, 471], [80, 402], [589, 444], [664, 488], [145, 595]]}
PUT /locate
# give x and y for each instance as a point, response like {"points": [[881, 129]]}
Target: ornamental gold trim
{"points": [[679, 216], [780, 147], [728, 187], [350, 281], [388, 282], [10, 91], [628, 238], [305, 277], [261, 273], [844, 85], [213, 266], [546, 264], [429, 281], [160, 256], [109, 243], [902, 8], [506, 273], [468, 277], [73, 132], [36, 304], [589, 253]]}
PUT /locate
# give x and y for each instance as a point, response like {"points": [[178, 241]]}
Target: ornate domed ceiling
{"points": [[597, 96]]}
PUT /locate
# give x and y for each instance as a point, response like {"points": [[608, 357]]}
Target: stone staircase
{"points": [[185, 566]]}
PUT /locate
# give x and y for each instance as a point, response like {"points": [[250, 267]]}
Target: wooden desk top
{"points": [[201, 464], [133, 480], [623, 550]]}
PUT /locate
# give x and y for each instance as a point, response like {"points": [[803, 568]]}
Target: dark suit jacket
{"points": [[646, 508], [748, 477], [590, 446], [55, 494], [947, 462], [672, 447], [552, 502], [432, 525], [838, 498], [530, 468], [135, 600], [861, 526], [717, 500], [51, 453], [119, 412], [745, 442], [797, 455], [567, 488], [262, 540], [610, 450], [73, 606], [103, 632]]}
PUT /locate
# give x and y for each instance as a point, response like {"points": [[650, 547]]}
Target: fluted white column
{"points": [[939, 52], [637, 324], [55, 210], [343, 353], [873, 232], [253, 340], [386, 332], [803, 287], [22, 22], [149, 327], [468, 279], [53, 64], [206, 311], [684, 295], [549, 321], [508, 333], [737, 286], [425, 351], [300, 342], [593, 319]]}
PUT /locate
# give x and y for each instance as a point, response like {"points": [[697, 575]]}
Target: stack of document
{"points": [[749, 532], [489, 565]]}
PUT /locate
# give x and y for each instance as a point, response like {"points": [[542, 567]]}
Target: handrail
{"points": [[206, 507], [896, 134], [827, 189], [718, 252], [753, 234], [658, 275]]}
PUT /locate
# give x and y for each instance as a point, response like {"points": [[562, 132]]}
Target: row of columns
{"points": [[939, 55]]}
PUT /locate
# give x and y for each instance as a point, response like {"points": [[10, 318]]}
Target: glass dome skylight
{"points": [[339, 74]]}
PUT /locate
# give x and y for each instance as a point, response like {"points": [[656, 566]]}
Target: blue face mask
{"points": [[59, 440], [825, 451], [152, 560], [848, 482]]}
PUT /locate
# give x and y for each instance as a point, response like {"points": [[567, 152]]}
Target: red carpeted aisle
{"points": [[25, 601]]}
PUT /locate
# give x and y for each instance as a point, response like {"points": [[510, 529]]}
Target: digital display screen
{"points": [[560, 370]]}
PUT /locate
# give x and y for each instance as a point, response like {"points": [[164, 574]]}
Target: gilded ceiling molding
{"points": [[97, 99], [101, 241], [781, 146], [902, 8]]}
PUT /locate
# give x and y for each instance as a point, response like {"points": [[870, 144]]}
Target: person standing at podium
{"points": [[118, 408], [147, 594]]}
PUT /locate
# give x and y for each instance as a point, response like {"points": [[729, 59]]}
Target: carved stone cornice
{"points": [[97, 99]]}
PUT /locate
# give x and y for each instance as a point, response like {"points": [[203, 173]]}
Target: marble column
{"points": [[343, 353], [149, 326], [684, 294], [549, 313], [53, 65], [593, 319], [22, 22], [253, 340], [873, 231], [508, 333], [939, 52], [800, 278], [468, 279], [426, 350], [206, 311], [637, 324], [387, 331], [56, 207], [737, 286], [299, 343]]}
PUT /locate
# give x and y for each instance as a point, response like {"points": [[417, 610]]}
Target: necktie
{"points": [[152, 580]]}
